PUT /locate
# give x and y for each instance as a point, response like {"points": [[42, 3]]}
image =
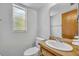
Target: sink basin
{"points": [[59, 45]]}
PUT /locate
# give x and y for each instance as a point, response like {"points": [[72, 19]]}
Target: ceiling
{"points": [[36, 6], [62, 7]]}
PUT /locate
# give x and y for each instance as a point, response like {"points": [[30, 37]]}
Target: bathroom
{"points": [[38, 24]]}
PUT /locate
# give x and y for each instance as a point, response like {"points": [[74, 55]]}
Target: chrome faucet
{"points": [[59, 40]]}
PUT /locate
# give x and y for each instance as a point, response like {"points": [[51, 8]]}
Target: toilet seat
{"points": [[31, 51]]}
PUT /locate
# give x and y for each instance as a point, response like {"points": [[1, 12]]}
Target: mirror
{"points": [[78, 19], [63, 20]]}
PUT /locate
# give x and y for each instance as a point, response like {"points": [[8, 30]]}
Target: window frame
{"points": [[21, 7]]}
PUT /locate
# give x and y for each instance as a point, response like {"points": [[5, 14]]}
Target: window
{"points": [[19, 17]]}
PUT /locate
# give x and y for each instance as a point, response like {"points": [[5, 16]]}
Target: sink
{"points": [[59, 45]]}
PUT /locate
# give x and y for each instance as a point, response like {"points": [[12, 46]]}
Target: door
{"points": [[69, 24]]}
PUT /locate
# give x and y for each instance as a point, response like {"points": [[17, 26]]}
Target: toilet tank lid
{"points": [[31, 51], [39, 38]]}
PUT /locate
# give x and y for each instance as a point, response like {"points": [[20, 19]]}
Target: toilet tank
{"points": [[38, 39]]}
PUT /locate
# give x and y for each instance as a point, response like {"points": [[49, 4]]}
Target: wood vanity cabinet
{"points": [[69, 24], [45, 52]]}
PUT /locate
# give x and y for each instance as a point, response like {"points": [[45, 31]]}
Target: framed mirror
{"points": [[63, 20]]}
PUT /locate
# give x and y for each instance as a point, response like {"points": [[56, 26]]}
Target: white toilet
{"points": [[34, 51]]}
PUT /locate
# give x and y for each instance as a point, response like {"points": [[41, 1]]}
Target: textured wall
{"points": [[11, 42]]}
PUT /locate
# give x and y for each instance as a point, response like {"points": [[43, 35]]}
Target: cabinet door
{"points": [[69, 24]]}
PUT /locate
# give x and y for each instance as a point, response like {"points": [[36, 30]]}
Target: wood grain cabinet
{"points": [[45, 52]]}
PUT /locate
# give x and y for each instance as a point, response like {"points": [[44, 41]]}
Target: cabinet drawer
{"points": [[46, 53]]}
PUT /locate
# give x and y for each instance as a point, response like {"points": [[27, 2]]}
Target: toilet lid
{"points": [[31, 51]]}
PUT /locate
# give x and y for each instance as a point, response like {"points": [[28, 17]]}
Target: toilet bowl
{"points": [[34, 51]]}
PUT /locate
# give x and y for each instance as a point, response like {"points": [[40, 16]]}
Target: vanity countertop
{"points": [[58, 52]]}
